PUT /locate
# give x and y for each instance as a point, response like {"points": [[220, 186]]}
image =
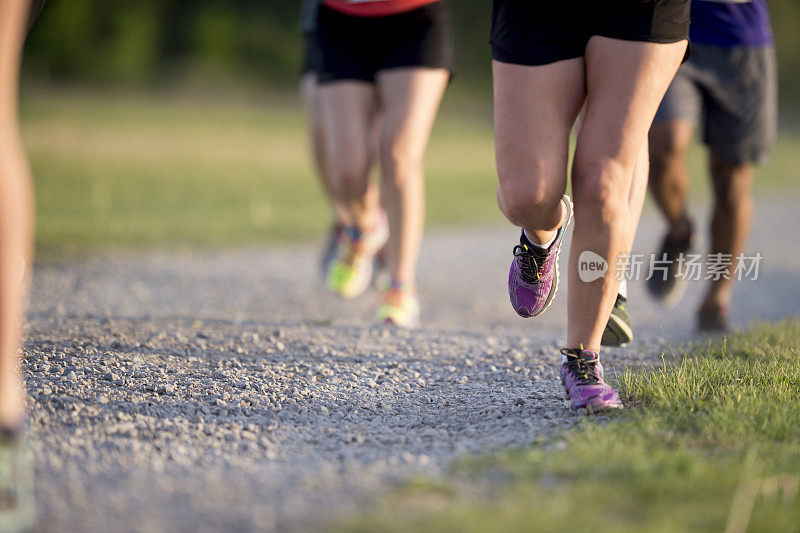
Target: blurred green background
{"points": [[177, 122]]}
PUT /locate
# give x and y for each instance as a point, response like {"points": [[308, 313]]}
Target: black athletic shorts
{"points": [[529, 32], [357, 48]]}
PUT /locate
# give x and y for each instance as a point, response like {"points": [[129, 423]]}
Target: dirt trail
{"points": [[224, 390]]}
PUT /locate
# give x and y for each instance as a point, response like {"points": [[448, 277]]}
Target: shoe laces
{"points": [[531, 262], [584, 369]]}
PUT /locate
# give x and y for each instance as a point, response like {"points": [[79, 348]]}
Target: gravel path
{"points": [[206, 391]]}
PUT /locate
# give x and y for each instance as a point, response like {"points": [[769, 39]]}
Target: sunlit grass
{"points": [[132, 169]]}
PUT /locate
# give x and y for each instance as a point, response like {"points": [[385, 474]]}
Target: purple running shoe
{"points": [[533, 277], [582, 376]]}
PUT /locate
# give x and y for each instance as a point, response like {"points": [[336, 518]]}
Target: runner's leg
{"points": [[311, 100], [347, 110], [16, 215], [309, 88], [669, 175], [535, 108], [730, 222], [625, 82], [410, 99]]}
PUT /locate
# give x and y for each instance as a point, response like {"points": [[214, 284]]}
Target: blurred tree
{"points": [[118, 41]]}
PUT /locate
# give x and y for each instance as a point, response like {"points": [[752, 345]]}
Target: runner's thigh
{"points": [[625, 81], [535, 107]]}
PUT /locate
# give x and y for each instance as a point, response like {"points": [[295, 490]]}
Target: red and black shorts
{"points": [[527, 32]]}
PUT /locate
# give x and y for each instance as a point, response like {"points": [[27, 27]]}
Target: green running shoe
{"points": [[619, 331], [350, 272]]}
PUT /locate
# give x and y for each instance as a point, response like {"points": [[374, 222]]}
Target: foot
{"points": [[16, 483], [331, 245], [713, 319], [619, 331], [399, 307], [533, 277], [669, 287], [583, 379], [350, 272]]}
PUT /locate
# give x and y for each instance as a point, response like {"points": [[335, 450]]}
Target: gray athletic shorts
{"points": [[735, 91]]}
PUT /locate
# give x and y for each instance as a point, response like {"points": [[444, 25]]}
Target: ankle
{"points": [[579, 351], [401, 285], [546, 241]]}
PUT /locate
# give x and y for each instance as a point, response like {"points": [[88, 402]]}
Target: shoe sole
{"points": [[569, 206], [617, 333], [592, 409]]}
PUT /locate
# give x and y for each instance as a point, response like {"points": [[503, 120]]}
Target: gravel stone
{"points": [[226, 391]]}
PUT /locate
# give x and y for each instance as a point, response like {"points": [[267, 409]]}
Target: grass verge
{"points": [[708, 443], [124, 169]]}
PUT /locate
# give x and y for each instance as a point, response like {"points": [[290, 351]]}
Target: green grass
{"points": [[707, 443], [122, 169]]}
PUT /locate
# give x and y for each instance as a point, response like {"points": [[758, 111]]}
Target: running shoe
{"points": [[619, 331], [669, 286], [399, 307], [533, 277], [331, 245], [713, 320], [16, 483], [583, 379], [350, 272]]}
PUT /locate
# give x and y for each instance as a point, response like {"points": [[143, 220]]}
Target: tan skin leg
{"points": [[407, 100], [16, 214], [410, 100], [347, 111], [309, 88], [625, 82], [730, 222], [535, 108], [638, 192], [669, 175]]}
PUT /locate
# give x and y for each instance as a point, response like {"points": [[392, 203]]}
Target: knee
{"points": [[400, 165], [527, 202], [601, 189]]}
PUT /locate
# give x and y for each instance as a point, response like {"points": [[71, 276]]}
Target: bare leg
{"points": [[535, 108], [16, 215], [410, 100], [730, 223], [638, 191], [669, 176], [347, 111], [311, 99], [625, 83]]}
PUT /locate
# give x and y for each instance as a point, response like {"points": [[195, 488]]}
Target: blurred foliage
{"points": [[250, 41]]}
